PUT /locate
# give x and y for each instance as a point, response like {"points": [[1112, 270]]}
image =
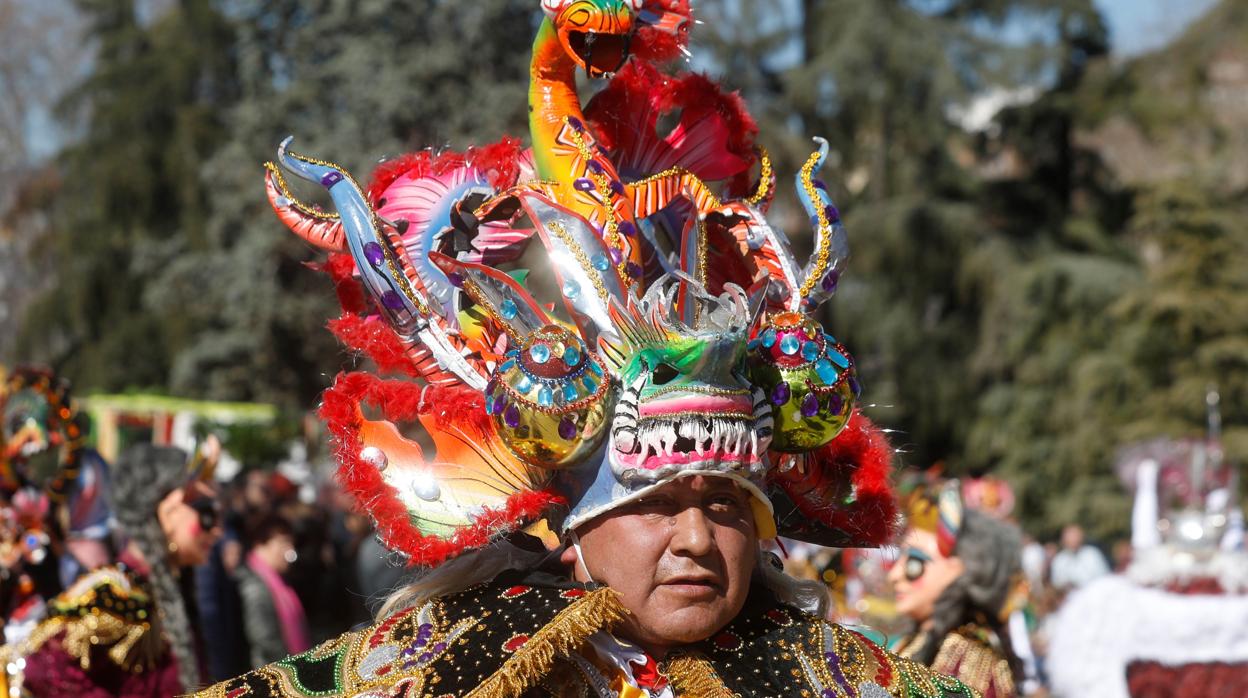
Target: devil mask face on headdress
{"points": [[702, 360]]}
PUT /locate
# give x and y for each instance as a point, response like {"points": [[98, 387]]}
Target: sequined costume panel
{"points": [[780, 651], [491, 640], [510, 640]]}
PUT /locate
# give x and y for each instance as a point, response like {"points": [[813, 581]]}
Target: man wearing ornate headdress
{"points": [[955, 580], [684, 409]]}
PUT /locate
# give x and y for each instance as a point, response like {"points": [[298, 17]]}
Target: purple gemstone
{"points": [[627, 229], [330, 179], [511, 416], [567, 428], [828, 693], [392, 300], [855, 386], [633, 270], [781, 394], [820, 185], [596, 167], [439, 647], [425, 657], [583, 184], [832, 213], [810, 405], [618, 187], [829, 282], [374, 254], [835, 403], [617, 255], [456, 279], [576, 124]]}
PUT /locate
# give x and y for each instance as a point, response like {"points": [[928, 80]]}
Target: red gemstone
{"points": [[727, 641], [573, 593], [515, 591], [515, 643]]}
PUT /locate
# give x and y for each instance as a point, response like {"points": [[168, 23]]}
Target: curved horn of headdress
{"points": [[823, 271], [320, 228], [378, 264]]}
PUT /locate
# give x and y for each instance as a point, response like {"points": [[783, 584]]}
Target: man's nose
{"points": [[693, 535]]}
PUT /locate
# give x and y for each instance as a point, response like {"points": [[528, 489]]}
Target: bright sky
{"points": [[1139, 26]]}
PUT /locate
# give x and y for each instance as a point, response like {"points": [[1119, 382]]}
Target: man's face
{"points": [[921, 574], [1072, 538], [681, 559]]}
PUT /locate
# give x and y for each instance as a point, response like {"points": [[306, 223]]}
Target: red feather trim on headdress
{"points": [[665, 39], [402, 401], [714, 138], [844, 488], [501, 163]]}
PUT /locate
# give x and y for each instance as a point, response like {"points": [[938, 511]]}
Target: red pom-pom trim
{"points": [[402, 401], [499, 162]]}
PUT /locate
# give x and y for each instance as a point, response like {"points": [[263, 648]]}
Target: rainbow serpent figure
{"points": [[684, 339]]}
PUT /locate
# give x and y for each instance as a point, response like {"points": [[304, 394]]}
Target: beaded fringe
{"points": [[696, 678], [565, 634]]}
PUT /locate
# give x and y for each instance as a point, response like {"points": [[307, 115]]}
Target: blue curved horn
{"points": [[374, 258]]}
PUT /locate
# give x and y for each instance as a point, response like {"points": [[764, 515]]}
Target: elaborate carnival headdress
{"points": [[688, 342]]}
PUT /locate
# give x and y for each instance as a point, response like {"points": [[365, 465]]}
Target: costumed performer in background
{"points": [[956, 578], [123, 629]]}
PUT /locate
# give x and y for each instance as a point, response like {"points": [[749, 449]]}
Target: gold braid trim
{"points": [[695, 677], [598, 610]]}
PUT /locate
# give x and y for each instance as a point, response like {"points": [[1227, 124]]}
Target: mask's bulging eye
{"points": [[664, 374]]}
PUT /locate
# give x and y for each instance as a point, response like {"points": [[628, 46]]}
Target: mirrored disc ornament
{"points": [[556, 408], [808, 377]]}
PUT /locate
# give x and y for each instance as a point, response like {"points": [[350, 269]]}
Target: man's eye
{"points": [[653, 505], [727, 502]]}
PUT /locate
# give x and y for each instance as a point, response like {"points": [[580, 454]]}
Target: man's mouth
{"points": [[694, 584]]}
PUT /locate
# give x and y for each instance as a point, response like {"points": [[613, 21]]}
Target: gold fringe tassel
{"points": [[563, 635], [694, 677]]}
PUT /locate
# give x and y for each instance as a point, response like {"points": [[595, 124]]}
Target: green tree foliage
{"points": [[130, 190]]}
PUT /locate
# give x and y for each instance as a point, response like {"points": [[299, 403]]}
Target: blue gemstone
{"points": [[507, 365], [583, 184], [752, 344], [546, 397], [329, 179], [789, 345], [830, 339], [627, 229], [508, 309], [601, 263], [571, 289], [769, 337], [838, 359], [570, 394], [827, 373], [780, 394], [540, 353], [524, 385], [590, 385], [374, 254], [489, 404], [810, 351], [597, 370], [571, 356]]}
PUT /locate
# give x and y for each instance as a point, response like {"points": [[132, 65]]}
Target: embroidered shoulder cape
{"points": [[973, 654], [509, 639]]}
